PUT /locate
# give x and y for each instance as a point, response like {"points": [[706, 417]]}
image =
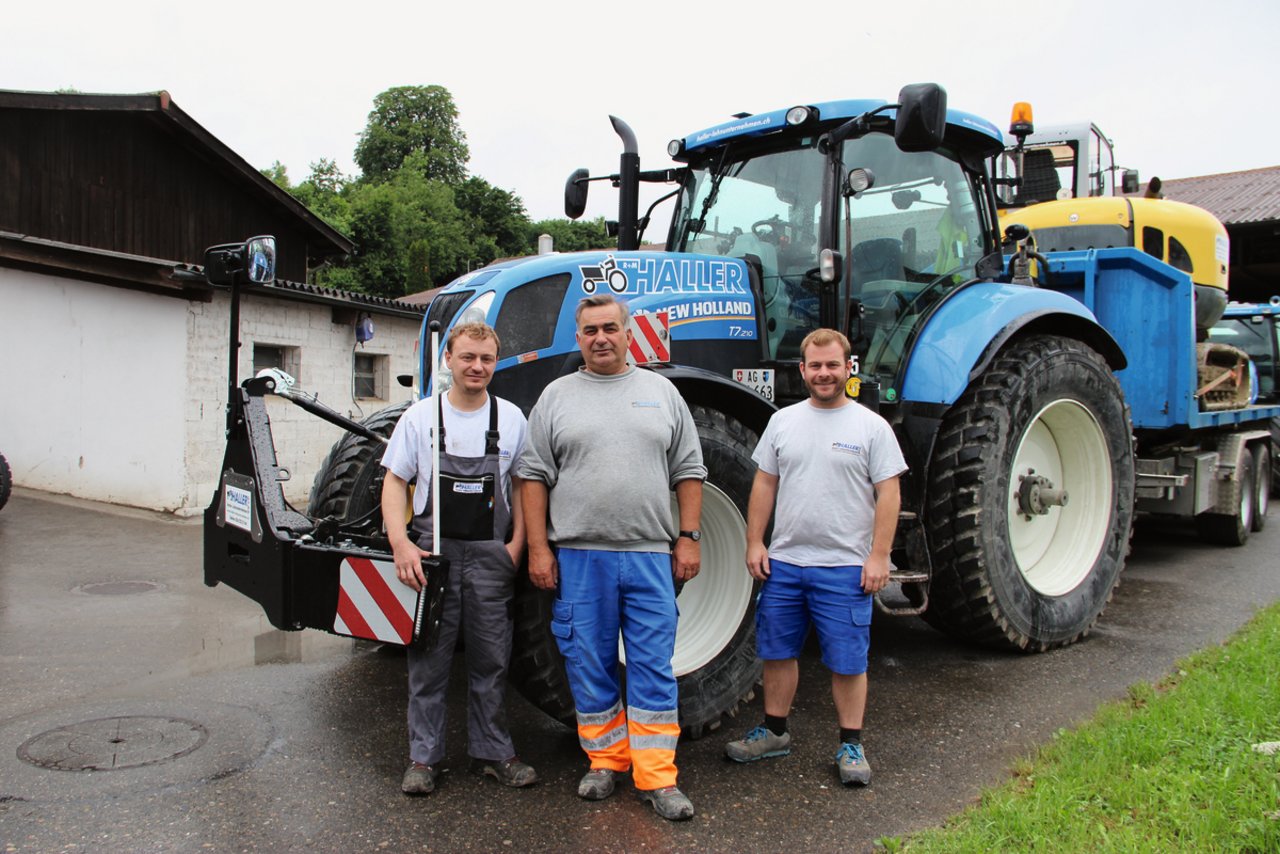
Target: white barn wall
{"points": [[92, 384]]}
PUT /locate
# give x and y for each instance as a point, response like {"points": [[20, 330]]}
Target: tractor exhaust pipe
{"points": [[628, 187]]}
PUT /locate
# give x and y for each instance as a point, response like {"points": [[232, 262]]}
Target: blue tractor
{"points": [[1009, 395]]}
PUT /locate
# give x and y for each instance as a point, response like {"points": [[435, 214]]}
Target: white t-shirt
{"points": [[408, 453], [827, 461]]}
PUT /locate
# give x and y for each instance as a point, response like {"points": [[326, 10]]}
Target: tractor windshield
{"points": [[764, 207], [907, 240]]}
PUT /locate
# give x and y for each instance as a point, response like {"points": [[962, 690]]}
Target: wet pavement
{"points": [[198, 727]]}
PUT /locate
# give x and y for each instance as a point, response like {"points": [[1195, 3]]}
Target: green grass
{"points": [[1171, 768]]}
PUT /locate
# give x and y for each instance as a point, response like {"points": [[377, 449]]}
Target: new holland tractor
{"points": [[1016, 404]]}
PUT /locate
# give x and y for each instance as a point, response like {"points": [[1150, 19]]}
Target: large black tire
{"points": [[1003, 576], [1261, 484], [6, 481], [715, 659], [1237, 497], [348, 485]]}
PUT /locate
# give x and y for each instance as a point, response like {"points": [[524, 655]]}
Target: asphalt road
{"points": [[210, 731]]}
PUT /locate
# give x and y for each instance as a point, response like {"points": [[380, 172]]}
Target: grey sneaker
{"points": [[511, 772], [760, 743], [669, 802], [853, 765], [597, 784], [419, 779]]}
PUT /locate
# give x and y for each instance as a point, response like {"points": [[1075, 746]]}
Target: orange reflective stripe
{"points": [[607, 744], [653, 754]]}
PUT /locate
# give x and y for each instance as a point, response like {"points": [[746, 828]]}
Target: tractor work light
{"points": [[859, 180], [674, 147], [801, 115], [1020, 123]]}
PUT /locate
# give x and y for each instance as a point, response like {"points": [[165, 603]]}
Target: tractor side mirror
{"points": [[575, 193], [255, 259], [922, 117], [1129, 181]]}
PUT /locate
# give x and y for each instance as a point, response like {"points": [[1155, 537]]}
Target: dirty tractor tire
{"points": [[1238, 496], [348, 485], [1013, 567], [715, 661], [6, 481]]}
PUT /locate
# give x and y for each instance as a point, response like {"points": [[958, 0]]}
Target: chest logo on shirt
{"points": [[469, 488], [504, 454], [847, 448], [646, 404]]}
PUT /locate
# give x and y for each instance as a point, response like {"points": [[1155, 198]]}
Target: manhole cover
{"points": [[108, 744], [118, 588]]}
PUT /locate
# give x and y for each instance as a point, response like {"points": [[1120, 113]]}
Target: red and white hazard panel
{"points": [[650, 338], [372, 603]]}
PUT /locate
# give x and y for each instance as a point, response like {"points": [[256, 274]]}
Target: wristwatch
{"points": [[694, 535]]}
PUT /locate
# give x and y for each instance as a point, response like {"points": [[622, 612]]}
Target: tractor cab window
{"points": [[763, 208], [908, 240]]}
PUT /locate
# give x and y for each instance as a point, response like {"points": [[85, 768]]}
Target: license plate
{"points": [[759, 379]]}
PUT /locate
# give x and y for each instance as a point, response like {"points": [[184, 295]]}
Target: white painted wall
{"points": [[119, 396], [91, 389]]}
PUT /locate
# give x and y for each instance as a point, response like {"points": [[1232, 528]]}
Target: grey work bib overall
{"points": [[475, 522]]}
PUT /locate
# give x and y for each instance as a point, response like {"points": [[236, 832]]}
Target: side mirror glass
{"points": [[922, 117], [575, 193], [260, 263], [1129, 181]]}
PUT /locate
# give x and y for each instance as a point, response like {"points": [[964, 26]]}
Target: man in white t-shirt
{"points": [[831, 467], [482, 535]]}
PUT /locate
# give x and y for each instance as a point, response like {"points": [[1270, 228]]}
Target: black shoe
{"points": [[510, 772], [419, 779]]}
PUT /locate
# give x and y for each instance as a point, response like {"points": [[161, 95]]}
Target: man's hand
{"points": [[542, 568], [758, 561], [408, 559], [875, 573], [686, 559]]}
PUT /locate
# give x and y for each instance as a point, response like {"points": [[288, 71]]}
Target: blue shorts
{"points": [[829, 597]]}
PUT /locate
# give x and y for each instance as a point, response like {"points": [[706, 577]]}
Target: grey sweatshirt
{"points": [[610, 449]]}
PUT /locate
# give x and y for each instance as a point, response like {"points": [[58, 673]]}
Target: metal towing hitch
{"points": [[305, 573]]}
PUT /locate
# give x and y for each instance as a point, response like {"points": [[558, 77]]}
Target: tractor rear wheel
{"points": [[1031, 491], [6, 481], [1261, 484], [715, 661]]}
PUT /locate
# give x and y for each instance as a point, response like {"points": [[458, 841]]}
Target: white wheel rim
{"points": [[1262, 484], [714, 603], [1056, 551]]}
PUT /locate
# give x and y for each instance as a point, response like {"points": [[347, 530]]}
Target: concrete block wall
{"points": [[325, 360]]}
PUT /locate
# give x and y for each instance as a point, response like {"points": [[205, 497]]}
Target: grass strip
{"points": [[1177, 766]]}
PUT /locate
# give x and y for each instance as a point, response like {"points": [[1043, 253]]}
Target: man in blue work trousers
{"points": [[607, 445], [821, 568]]}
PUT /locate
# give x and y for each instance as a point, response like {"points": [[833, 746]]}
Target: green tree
{"points": [[409, 119], [278, 174], [497, 221], [573, 235]]}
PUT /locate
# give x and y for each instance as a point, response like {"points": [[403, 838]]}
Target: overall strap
{"points": [[491, 435], [440, 420]]}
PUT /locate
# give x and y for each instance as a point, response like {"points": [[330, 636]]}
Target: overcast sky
{"points": [[1183, 88]]}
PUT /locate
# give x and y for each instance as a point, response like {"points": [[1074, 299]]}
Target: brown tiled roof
{"points": [[1233, 197]]}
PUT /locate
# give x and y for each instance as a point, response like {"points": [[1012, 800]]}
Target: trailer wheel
{"points": [[715, 658], [1232, 528], [6, 481], [1261, 485], [1016, 564], [348, 485]]}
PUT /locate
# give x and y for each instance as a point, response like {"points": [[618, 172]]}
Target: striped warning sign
{"points": [[372, 603], [650, 338]]}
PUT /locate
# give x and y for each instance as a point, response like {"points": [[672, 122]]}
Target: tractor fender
{"points": [[700, 386], [972, 326]]}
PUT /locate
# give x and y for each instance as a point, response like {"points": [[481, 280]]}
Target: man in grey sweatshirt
{"points": [[605, 447]]}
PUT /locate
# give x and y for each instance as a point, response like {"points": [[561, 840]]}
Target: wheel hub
{"points": [[1036, 494]]}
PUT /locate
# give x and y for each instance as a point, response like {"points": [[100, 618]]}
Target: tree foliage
{"points": [[413, 120], [417, 219]]}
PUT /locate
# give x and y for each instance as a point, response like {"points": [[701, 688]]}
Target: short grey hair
{"points": [[596, 300]]}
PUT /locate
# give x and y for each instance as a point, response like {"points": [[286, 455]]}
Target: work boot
{"points": [[760, 743], [669, 802], [597, 784], [419, 779], [510, 772], [853, 766]]}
